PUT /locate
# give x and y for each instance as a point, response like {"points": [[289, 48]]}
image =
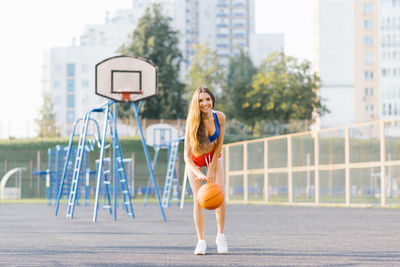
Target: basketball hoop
{"points": [[126, 78], [126, 97]]}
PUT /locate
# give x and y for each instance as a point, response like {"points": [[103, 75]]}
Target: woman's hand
{"points": [[201, 176], [211, 174]]}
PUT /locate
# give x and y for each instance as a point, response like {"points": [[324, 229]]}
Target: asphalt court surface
{"points": [[258, 235]]}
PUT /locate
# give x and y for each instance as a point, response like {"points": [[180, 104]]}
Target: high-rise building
{"points": [[225, 25], [389, 59], [366, 60], [357, 57]]}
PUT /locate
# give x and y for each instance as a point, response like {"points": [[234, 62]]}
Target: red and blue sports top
{"points": [[215, 136]]}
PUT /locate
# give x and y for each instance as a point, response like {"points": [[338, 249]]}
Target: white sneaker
{"points": [[200, 248], [222, 247]]}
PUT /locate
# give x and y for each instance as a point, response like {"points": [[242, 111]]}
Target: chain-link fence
{"points": [[36, 162], [341, 166]]}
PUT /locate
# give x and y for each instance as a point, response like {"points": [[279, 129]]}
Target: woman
{"points": [[205, 130]]}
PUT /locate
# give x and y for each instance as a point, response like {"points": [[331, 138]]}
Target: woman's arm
{"points": [[188, 156], [218, 147]]}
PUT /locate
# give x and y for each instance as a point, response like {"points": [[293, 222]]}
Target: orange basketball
{"points": [[210, 196]]}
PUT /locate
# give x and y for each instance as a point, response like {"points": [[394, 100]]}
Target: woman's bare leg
{"points": [[198, 215], [221, 211]]}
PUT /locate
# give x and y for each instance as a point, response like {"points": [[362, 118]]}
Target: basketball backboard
{"points": [[160, 135], [126, 78]]}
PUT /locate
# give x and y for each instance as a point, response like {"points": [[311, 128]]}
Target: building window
{"points": [[368, 75], [70, 70], [368, 8], [368, 92], [70, 101], [369, 58], [384, 109], [70, 116], [389, 109], [71, 85], [368, 40], [368, 24]]}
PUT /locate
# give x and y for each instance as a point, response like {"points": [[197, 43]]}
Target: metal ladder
{"points": [[171, 174], [106, 182], [77, 168], [120, 168]]}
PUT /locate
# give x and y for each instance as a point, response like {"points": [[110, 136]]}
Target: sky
{"points": [[28, 28]]}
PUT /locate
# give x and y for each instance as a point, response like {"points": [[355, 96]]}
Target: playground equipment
{"points": [[57, 160], [164, 136], [53, 175], [120, 78], [171, 176], [80, 151], [185, 178], [130, 79], [11, 192]]}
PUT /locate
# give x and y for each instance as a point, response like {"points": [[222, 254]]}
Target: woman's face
{"points": [[205, 102]]}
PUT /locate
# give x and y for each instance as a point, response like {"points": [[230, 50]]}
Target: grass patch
{"points": [[24, 201], [136, 200]]}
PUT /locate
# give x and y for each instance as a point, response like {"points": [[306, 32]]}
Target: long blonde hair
{"points": [[198, 138]]}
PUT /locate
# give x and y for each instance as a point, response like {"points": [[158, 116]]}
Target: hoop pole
{"points": [[115, 167], [157, 149], [101, 161], [137, 111]]}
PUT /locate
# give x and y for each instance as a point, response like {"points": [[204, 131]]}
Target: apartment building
{"points": [[357, 52], [225, 25]]}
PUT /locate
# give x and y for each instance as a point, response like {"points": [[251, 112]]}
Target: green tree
{"points": [[238, 83], [154, 40], [283, 90], [46, 121], [205, 70]]}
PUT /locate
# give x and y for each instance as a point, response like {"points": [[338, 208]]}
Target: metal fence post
{"points": [[289, 168], [308, 183], [266, 196], [226, 173], [245, 174], [390, 185], [316, 166], [347, 161], [38, 177], [382, 157]]}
